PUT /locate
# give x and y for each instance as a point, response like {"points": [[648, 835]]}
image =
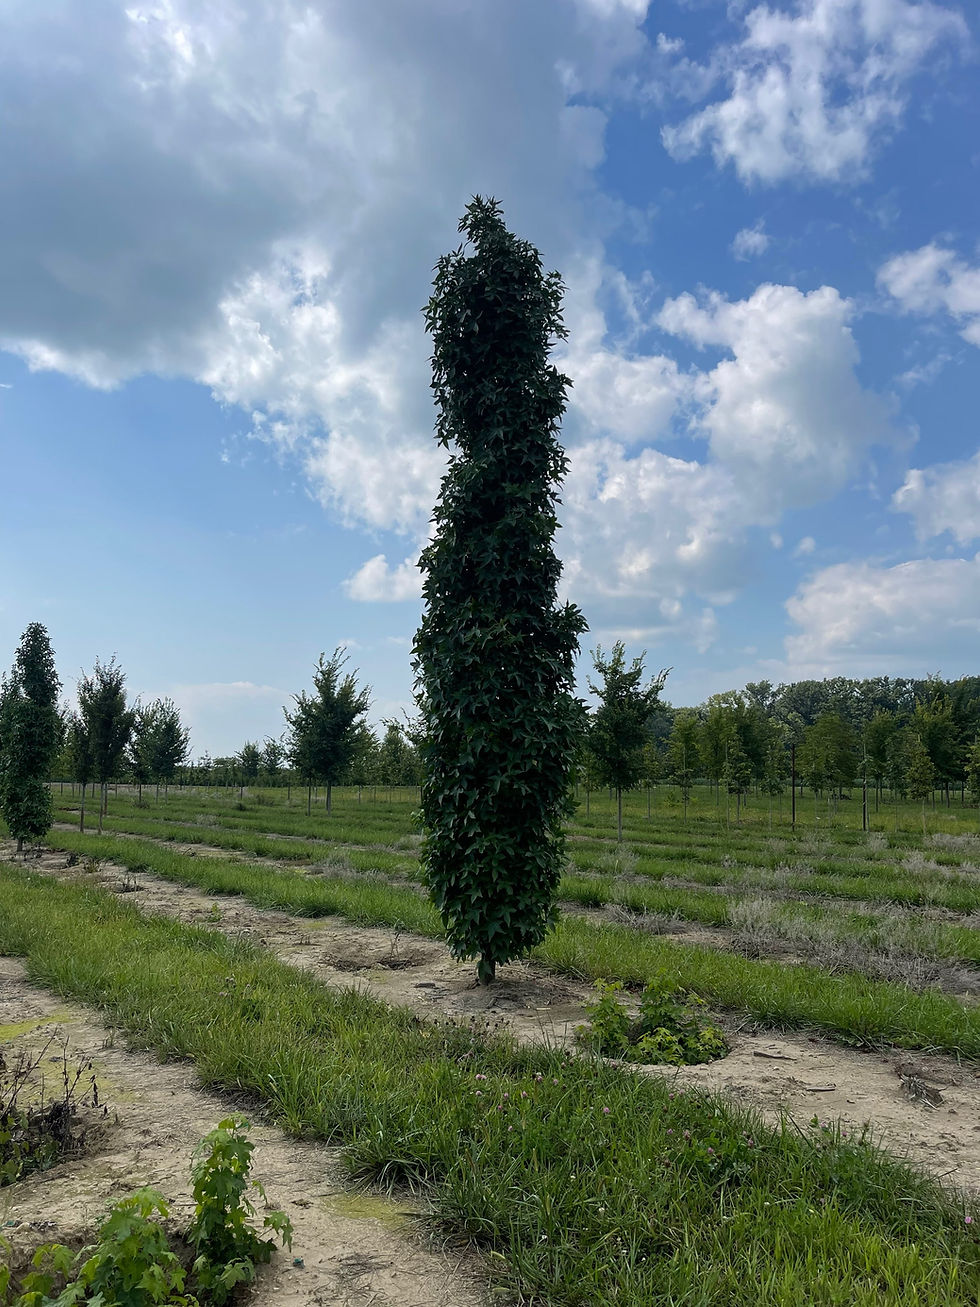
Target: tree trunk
{"points": [[20, 844], [81, 813], [648, 802], [329, 798], [309, 799], [486, 971], [619, 815]]}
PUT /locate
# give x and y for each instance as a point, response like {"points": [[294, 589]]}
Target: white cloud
{"points": [[932, 279], [945, 497], [786, 414], [805, 546], [813, 89], [376, 582], [921, 614], [750, 241]]}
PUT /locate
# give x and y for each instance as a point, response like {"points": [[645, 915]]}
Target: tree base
{"points": [[486, 971]]}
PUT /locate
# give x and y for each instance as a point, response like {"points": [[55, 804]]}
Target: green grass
{"points": [[591, 1185], [772, 993]]}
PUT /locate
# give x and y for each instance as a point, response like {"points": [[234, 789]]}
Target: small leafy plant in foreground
{"points": [[132, 1263], [668, 1029]]}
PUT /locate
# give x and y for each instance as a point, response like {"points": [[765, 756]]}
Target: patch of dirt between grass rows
{"points": [[350, 1248]]}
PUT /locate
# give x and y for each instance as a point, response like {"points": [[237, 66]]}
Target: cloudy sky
{"points": [[218, 224]]}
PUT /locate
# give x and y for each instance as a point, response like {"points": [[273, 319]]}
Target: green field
{"points": [[872, 938]]}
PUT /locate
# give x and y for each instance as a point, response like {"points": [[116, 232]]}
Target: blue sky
{"points": [[219, 220]]}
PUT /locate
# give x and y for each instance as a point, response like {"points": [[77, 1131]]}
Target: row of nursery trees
{"points": [[913, 737]]}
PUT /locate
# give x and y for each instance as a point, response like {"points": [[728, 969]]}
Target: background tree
{"points": [[80, 759], [324, 726], [30, 735], [273, 758], [737, 772], [494, 653], [169, 743], [973, 771], [138, 746], [683, 758], [108, 722], [920, 773], [249, 759], [617, 730]]}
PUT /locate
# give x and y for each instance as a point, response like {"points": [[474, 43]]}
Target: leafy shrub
{"points": [[228, 1247], [131, 1264], [666, 1031]]}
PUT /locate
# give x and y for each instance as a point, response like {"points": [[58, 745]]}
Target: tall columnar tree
{"points": [[30, 735], [494, 653], [325, 725], [108, 722], [80, 756], [618, 726], [138, 746], [273, 758], [682, 752]]}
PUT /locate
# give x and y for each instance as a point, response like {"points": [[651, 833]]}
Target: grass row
{"points": [[930, 939], [772, 993], [591, 1185]]}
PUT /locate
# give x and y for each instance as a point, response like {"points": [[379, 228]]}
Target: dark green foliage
{"points": [[494, 653], [249, 758], [618, 726], [30, 736], [325, 725]]}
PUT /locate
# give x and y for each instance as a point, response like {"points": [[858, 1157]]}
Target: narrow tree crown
{"points": [[494, 651], [30, 734], [108, 721]]}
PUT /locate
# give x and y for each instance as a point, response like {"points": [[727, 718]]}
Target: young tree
{"points": [[30, 734], [618, 724], [973, 771], [80, 756], [682, 752], [108, 722], [138, 746], [324, 725], [169, 742], [273, 758], [737, 773], [494, 653], [920, 773], [249, 759]]}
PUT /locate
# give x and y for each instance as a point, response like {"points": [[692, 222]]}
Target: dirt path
{"points": [[803, 1075], [350, 1249]]}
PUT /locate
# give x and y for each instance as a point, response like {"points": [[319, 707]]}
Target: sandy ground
{"points": [[799, 1074], [350, 1249]]}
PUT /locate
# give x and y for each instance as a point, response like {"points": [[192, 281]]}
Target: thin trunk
{"points": [[329, 794], [588, 798], [309, 799], [619, 815], [649, 788], [20, 844], [81, 812]]}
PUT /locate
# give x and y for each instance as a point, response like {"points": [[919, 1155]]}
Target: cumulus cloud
{"points": [[945, 497], [933, 279], [812, 90], [917, 614], [786, 413], [750, 242], [376, 581]]}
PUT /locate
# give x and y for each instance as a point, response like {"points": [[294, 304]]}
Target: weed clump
{"points": [[667, 1031], [38, 1128]]}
